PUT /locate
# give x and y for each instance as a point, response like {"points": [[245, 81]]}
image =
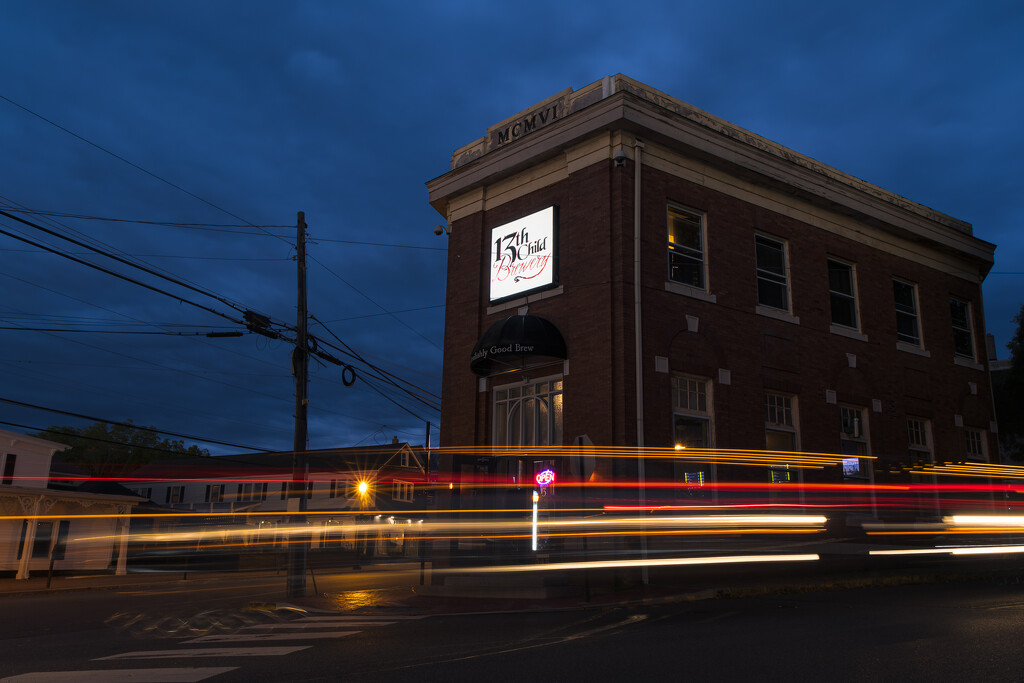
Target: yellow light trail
{"points": [[626, 564]]}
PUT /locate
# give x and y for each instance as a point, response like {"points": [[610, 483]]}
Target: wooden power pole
{"points": [[298, 544]]}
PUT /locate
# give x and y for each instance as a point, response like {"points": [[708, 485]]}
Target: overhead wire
{"points": [[348, 350], [133, 165], [190, 437], [108, 254], [178, 281], [120, 276], [372, 301], [218, 227]]}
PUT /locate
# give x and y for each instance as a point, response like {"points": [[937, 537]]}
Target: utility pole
{"points": [[298, 544]]}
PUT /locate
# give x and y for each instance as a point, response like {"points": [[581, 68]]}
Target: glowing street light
{"points": [[533, 536]]}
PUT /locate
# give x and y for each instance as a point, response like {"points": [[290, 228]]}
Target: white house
{"points": [[76, 530]]}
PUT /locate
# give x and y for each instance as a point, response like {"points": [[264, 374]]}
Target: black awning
{"points": [[517, 343]]}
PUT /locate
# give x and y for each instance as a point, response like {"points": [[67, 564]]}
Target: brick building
{"points": [[783, 304]]}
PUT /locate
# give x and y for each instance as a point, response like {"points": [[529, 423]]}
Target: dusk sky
{"points": [[226, 118]]}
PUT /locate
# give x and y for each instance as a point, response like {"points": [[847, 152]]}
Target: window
{"points": [[175, 494], [405, 458], [528, 415], [41, 543], [691, 422], [853, 442], [247, 492], [144, 493], [403, 491], [919, 440], [772, 273], [963, 337], [905, 298], [686, 248], [780, 433], [779, 424], [334, 488], [9, 463], [975, 444], [691, 428], [215, 493], [842, 295]]}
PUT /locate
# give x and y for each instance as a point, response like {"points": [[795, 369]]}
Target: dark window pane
{"points": [[772, 294], [844, 312], [840, 278], [686, 270], [772, 286], [841, 295], [771, 256], [963, 341], [691, 432], [905, 298]]}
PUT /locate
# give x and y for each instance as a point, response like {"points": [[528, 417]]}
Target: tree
{"points": [[1008, 391], [110, 450]]}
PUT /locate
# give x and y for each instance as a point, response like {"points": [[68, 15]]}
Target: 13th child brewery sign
{"points": [[522, 256]]}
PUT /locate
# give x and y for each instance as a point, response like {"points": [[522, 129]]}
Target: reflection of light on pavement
{"points": [[661, 562], [352, 600]]}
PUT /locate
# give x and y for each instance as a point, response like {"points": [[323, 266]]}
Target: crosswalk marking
{"points": [[305, 628], [209, 652], [179, 675], [262, 637]]}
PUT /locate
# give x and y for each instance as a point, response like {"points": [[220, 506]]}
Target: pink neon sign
{"points": [[546, 477]]}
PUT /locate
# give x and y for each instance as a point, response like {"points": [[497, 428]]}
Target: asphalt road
{"points": [[908, 633]]}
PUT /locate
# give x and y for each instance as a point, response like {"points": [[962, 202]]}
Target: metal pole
{"points": [[640, 466], [298, 545]]}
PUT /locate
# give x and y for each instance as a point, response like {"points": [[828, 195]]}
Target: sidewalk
{"points": [[383, 589]]}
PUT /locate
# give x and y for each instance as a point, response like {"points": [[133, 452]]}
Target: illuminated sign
{"points": [[522, 255], [851, 467], [546, 477]]}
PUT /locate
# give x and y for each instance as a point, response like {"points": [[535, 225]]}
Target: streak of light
{"points": [[968, 550], [488, 529], [625, 564], [985, 520], [695, 520]]}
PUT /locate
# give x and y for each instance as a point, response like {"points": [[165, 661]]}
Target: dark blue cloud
{"points": [[344, 110]]}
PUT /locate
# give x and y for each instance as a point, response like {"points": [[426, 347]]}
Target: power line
{"points": [[132, 426], [132, 164], [352, 352], [368, 298], [145, 269], [236, 333], [169, 224], [377, 315], [120, 276], [92, 438], [216, 227]]}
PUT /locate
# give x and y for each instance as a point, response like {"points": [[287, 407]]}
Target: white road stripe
{"points": [[243, 637], [313, 624], [209, 652], [180, 675]]}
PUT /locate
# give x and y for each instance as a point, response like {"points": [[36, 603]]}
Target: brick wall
{"points": [[595, 315]]}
